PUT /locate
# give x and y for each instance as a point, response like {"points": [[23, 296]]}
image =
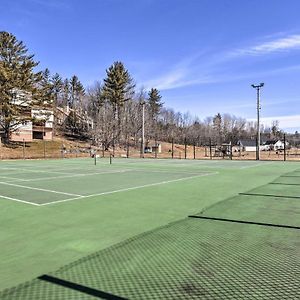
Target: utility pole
{"points": [[143, 129], [258, 87]]}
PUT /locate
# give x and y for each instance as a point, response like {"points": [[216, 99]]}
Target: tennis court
{"points": [[47, 182], [170, 229], [51, 182]]}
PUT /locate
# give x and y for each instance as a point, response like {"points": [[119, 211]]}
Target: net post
{"points": [[110, 159], [172, 148], [95, 157], [210, 150], [185, 146]]}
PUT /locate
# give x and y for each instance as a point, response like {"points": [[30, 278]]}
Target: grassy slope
{"points": [[36, 240]]}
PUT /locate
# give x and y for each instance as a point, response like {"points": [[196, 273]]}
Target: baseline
{"points": [[19, 200], [39, 189]]}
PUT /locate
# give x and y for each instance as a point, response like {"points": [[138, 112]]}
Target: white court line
{"points": [[129, 189], [34, 171], [13, 178], [38, 189], [18, 200], [69, 176], [257, 165], [169, 171]]}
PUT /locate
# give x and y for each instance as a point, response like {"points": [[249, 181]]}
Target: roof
{"points": [[269, 142], [247, 143]]}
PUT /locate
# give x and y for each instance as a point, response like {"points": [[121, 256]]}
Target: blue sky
{"points": [[202, 55]]}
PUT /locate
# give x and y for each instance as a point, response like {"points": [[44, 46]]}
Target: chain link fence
{"points": [[285, 150]]}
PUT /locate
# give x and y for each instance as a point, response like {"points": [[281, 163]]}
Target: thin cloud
{"points": [[179, 75], [290, 42], [292, 121], [210, 69], [175, 79]]}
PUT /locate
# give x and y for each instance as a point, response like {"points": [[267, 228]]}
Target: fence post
{"points": [[127, 150], [284, 148], [23, 149], [257, 149], [185, 148], [194, 150], [210, 153], [44, 149], [156, 147], [172, 147]]}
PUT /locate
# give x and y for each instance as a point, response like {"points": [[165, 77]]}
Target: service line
{"points": [[131, 188]]}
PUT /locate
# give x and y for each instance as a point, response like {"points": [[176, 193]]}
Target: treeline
{"points": [[108, 112]]}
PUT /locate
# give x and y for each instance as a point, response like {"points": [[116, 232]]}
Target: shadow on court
{"points": [[243, 247]]}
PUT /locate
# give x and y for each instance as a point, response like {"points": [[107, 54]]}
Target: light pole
{"points": [[258, 87], [143, 129]]}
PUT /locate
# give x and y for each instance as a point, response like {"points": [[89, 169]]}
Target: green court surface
{"points": [[259, 209], [121, 230], [190, 259]]}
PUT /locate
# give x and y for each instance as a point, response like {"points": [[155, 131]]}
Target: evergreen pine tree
{"points": [[56, 86], [66, 92], [45, 89], [18, 83], [154, 102], [217, 126], [118, 88], [118, 85], [76, 92]]}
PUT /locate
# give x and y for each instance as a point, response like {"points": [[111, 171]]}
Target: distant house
{"points": [[247, 145], [279, 145], [40, 120], [41, 127], [62, 114], [274, 145], [268, 145]]}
